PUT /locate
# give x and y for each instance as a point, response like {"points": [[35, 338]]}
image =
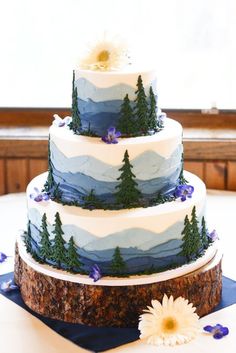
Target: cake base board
{"points": [[114, 306]]}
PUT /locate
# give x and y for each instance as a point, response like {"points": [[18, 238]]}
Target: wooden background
{"points": [[209, 145]]}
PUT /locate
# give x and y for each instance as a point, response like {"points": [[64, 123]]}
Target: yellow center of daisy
{"points": [[169, 324], [104, 55]]}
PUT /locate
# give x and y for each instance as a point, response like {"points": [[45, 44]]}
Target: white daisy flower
{"points": [[107, 54], [170, 323]]}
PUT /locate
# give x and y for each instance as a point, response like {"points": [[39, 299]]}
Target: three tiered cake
{"points": [[115, 222]]}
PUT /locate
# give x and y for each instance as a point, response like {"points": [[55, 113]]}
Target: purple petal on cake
{"points": [[213, 235], [184, 191], [95, 273], [60, 122], [111, 136], [3, 257], [8, 286], [39, 196], [218, 331]]}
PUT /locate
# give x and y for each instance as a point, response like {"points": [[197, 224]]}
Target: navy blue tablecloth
{"points": [[98, 339]]}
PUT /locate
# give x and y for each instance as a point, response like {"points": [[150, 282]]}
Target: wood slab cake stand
{"points": [[118, 306]]}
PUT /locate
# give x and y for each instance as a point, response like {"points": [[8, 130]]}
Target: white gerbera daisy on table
{"points": [[170, 323], [107, 54]]}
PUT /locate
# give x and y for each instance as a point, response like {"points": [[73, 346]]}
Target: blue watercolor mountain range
{"points": [[77, 176], [99, 107], [140, 248]]}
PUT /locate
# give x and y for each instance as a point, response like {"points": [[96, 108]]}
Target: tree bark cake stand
{"points": [[117, 305]]}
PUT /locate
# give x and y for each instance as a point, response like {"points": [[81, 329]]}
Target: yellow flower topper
{"points": [[106, 55]]}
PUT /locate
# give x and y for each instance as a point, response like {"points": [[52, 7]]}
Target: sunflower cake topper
{"points": [[106, 54]]}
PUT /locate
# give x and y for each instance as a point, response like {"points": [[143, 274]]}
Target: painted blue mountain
{"points": [[100, 107], [87, 90], [77, 176]]}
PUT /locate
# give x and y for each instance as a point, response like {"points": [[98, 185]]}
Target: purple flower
{"points": [[3, 257], [218, 331], [111, 136], [213, 235], [8, 286], [39, 195], [184, 191], [95, 273], [59, 122]]}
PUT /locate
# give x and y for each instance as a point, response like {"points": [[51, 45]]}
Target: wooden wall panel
{"points": [[215, 175], [16, 175], [37, 166], [2, 177], [195, 168], [231, 176]]}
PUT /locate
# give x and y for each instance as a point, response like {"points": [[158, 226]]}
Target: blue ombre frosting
{"points": [[77, 176], [100, 107]]}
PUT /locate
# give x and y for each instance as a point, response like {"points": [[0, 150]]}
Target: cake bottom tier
{"points": [[117, 306]]}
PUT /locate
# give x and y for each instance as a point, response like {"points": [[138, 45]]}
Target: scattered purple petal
{"points": [[3, 257], [112, 136], [218, 331], [95, 273], [8, 286], [60, 122], [213, 235], [184, 191], [39, 196]]}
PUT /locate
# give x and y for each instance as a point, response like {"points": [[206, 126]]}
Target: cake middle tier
{"points": [[149, 239], [79, 165]]}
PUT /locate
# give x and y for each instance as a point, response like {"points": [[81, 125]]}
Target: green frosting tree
{"points": [[141, 109], [91, 201], [58, 248], [187, 240], [204, 236], [152, 122], [50, 183], [72, 258], [196, 237], [45, 249], [126, 122], [182, 179], [28, 239], [128, 195], [118, 265], [75, 124]]}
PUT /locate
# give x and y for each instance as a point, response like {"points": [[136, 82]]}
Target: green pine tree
{"points": [[91, 201], [126, 123], [118, 265], [196, 236], [127, 195], [72, 258], [28, 239], [152, 121], [187, 240], [141, 109], [182, 179], [45, 249], [58, 248], [75, 124], [204, 236], [50, 183]]}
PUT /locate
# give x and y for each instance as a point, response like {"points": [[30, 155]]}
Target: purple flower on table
{"points": [[60, 122], [184, 191], [112, 136], [8, 286], [3, 257], [218, 331], [39, 196], [95, 273], [213, 235]]}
